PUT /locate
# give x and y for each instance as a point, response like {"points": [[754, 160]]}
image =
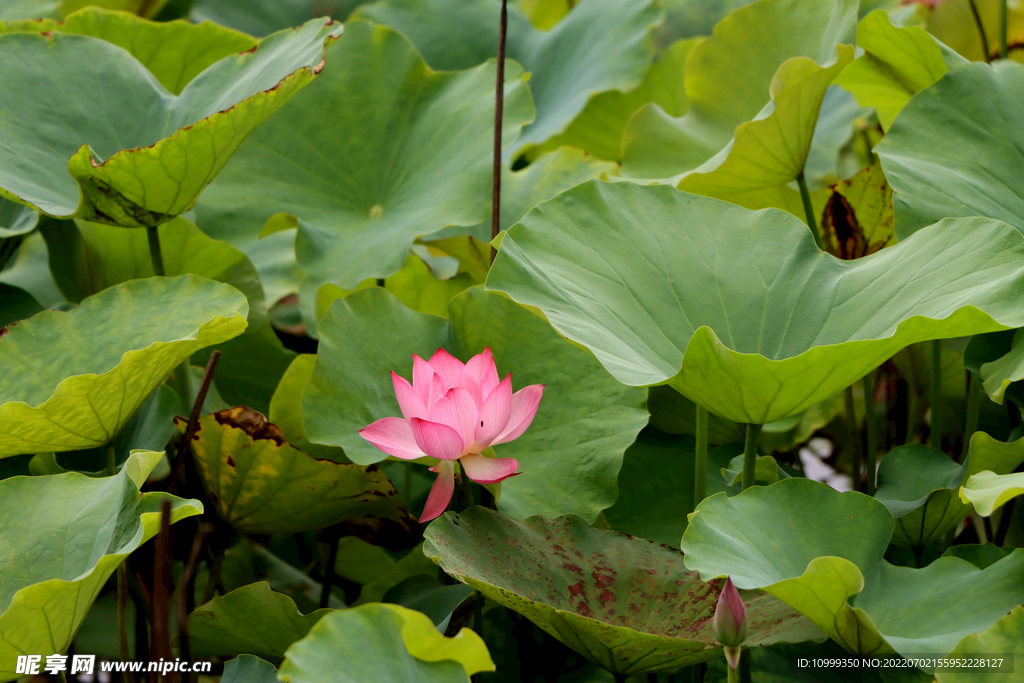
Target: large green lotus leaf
{"points": [[381, 642], [728, 77], [28, 9], [953, 22], [174, 52], [120, 148], [248, 669], [690, 18], [921, 486], [581, 56], [421, 162], [598, 128], [980, 555], [766, 154], [739, 310], [15, 220], [821, 552], [273, 256], [263, 17], [570, 455], [64, 535], [999, 374], [73, 379], [89, 257], [146, 8], [29, 270], [898, 62], [260, 484], [956, 150], [989, 491], [16, 304], [416, 286], [286, 410], [251, 620], [1005, 637], [627, 603]]}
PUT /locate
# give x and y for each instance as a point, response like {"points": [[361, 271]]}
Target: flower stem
{"points": [[700, 462], [332, 558], [750, 456], [935, 394], [111, 459], [499, 112], [812, 222], [1003, 49], [981, 30], [871, 454], [971, 421], [733, 674], [852, 428], [407, 482], [193, 422], [122, 617], [467, 490], [155, 252]]}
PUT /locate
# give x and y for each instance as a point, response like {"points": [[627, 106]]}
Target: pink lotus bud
{"points": [[730, 623]]}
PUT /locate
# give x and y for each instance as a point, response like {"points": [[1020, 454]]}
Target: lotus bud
{"points": [[730, 623]]}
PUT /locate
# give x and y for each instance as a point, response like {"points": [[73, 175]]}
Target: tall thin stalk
{"points": [[871, 450], [160, 609], [467, 490], [193, 421], [974, 391], [935, 396], [155, 252], [700, 462], [499, 112], [981, 30], [122, 618], [332, 558], [750, 456], [111, 469], [812, 222], [853, 430], [1003, 47]]}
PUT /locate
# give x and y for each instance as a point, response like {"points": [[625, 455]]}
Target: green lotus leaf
{"points": [[28, 270], [174, 52], [770, 151], [766, 470], [627, 603], [64, 535], [417, 287], [252, 620], [248, 669], [146, 8], [16, 304], [858, 219], [89, 257], [598, 128], [820, 551], [263, 17], [981, 556], [381, 642], [989, 491], [414, 565], [286, 411], [421, 162], [954, 150], [570, 455], [72, 380], [728, 77], [953, 22], [15, 220], [754, 328], [1005, 637], [898, 62], [260, 484], [583, 55], [124, 150], [689, 18], [674, 413], [11, 10], [997, 375]]}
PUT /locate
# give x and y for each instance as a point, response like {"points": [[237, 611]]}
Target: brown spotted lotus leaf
{"points": [[261, 484], [627, 603]]}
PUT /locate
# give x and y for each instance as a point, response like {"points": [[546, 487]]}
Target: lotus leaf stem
{"points": [[935, 395], [978, 522], [750, 456], [160, 615], [974, 391], [407, 483], [700, 461], [155, 252], [981, 30], [812, 222], [122, 618], [1004, 523], [214, 578], [193, 421], [499, 111], [871, 450], [467, 490], [332, 558], [1003, 48], [852, 429], [111, 459]]}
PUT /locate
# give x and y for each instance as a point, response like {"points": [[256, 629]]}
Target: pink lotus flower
{"points": [[453, 412]]}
